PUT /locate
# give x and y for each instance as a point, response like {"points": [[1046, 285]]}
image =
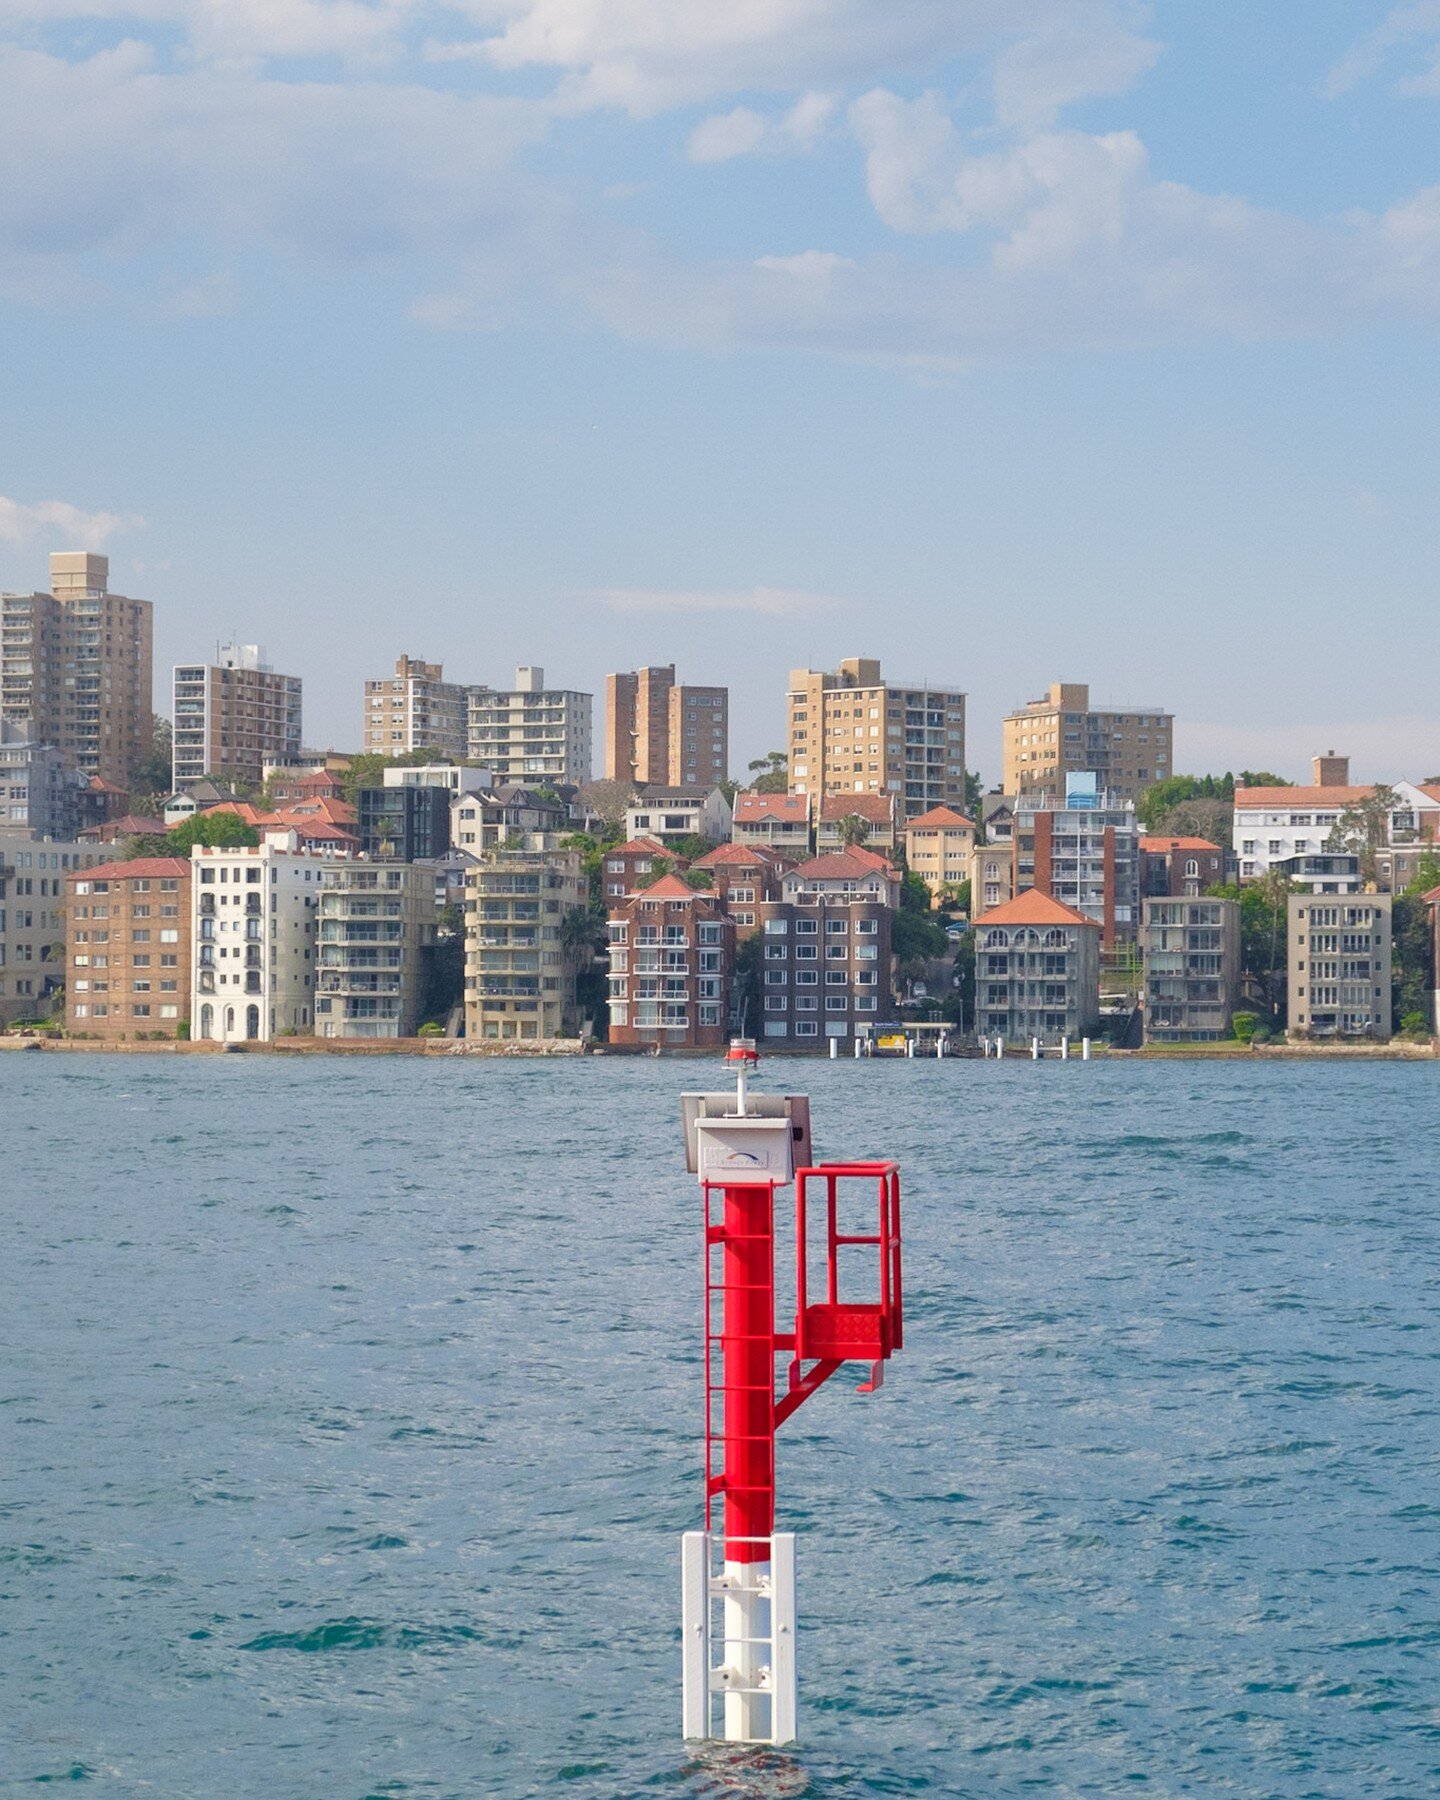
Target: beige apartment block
{"points": [[992, 875], [938, 848], [33, 900], [232, 717], [852, 732], [128, 964], [520, 962], [1127, 748], [76, 667], [663, 733], [416, 709], [376, 921], [530, 733], [1339, 966]]}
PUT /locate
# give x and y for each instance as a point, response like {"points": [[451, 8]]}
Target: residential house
{"points": [[128, 963], [634, 864], [875, 812], [1179, 866], [780, 820], [672, 814]]}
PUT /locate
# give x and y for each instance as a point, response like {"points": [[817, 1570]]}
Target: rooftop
{"points": [[1034, 907], [138, 868], [941, 818]]}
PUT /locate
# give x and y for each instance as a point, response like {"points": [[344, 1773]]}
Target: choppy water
{"points": [[348, 1422]]}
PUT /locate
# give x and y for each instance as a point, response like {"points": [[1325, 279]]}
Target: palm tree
{"points": [[853, 830]]}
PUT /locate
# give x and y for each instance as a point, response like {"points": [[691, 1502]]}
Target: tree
{"points": [[1261, 778], [220, 830], [915, 933], [1264, 928], [1162, 797], [367, 770], [1363, 828], [853, 830], [1213, 820], [771, 772], [1410, 965], [974, 795], [608, 799], [152, 773], [1427, 874]]}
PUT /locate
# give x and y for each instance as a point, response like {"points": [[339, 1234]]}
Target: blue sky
{"points": [[1010, 340]]}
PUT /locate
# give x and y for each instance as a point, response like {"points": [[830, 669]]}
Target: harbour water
{"points": [[349, 1418]]}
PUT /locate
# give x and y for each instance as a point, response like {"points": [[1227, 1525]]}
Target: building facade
{"points": [[1339, 966], [403, 824], [531, 733], [1191, 954], [671, 814], [1179, 866], [416, 709], [128, 949], [741, 876], [825, 965], [33, 924], [672, 958], [1127, 748], [852, 732], [660, 733], [253, 940], [37, 792], [877, 816], [76, 667], [939, 848], [232, 717], [375, 923], [992, 875], [520, 963], [1037, 971], [1084, 852], [781, 821]]}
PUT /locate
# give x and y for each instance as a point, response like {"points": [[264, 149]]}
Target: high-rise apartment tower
{"points": [[233, 716], [660, 733], [1126, 747], [851, 732], [75, 667]]}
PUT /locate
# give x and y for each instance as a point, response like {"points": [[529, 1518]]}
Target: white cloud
{"points": [[772, 602], [1404, 26], [745, 132], [22, 523]]}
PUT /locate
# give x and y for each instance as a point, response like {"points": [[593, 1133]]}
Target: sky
{"points": [[1011, 341]]}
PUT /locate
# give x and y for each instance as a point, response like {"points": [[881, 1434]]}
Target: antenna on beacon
{"points": [[738, 1583]]}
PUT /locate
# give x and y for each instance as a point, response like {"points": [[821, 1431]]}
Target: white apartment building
{"points": [[457, 778], [531, 733], [254, 939]]}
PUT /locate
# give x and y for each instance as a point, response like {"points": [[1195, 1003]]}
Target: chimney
{"points": [[1331, 770]]}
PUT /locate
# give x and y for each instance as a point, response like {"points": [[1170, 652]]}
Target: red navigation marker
{"points": [[744, 1147]]}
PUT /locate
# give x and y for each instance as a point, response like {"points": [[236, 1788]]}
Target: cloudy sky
{"points": [[1009, 340]]}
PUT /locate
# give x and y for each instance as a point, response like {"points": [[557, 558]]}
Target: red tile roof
{"points": [[671, 887], [1034, 907], [940, 818], [1286, 799], [139, 867], [723, 854], [641, 846], [842, 865], [876, 809], [1160, 846], [788, 809]]}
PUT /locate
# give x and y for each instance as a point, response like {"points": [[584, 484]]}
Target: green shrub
{"points": [[1413, 1024], [1243, 1025], [431, 1029]]}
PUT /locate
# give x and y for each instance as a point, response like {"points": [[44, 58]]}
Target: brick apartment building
{"points": [[128, 951], [672, 958]]}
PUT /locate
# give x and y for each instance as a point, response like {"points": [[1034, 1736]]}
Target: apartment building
{"points": [[672, 958], [1191, 956], [662, 733], [852, 732], [1339, 966], [37, 792], [521, 955], [1126, 747], [672, 814], [232, 717], [1037, 971], [375, 923], [875, 815], [253, 939], [33, 899], [826, 959], [531, 733], [417, 709], [403, 824], [635, 863], [741, 876], [780, 820], [1179, 866], [128, 951], [455, 778], [939, 847], [76, 667], [1277, 824], [1084, 852]]}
